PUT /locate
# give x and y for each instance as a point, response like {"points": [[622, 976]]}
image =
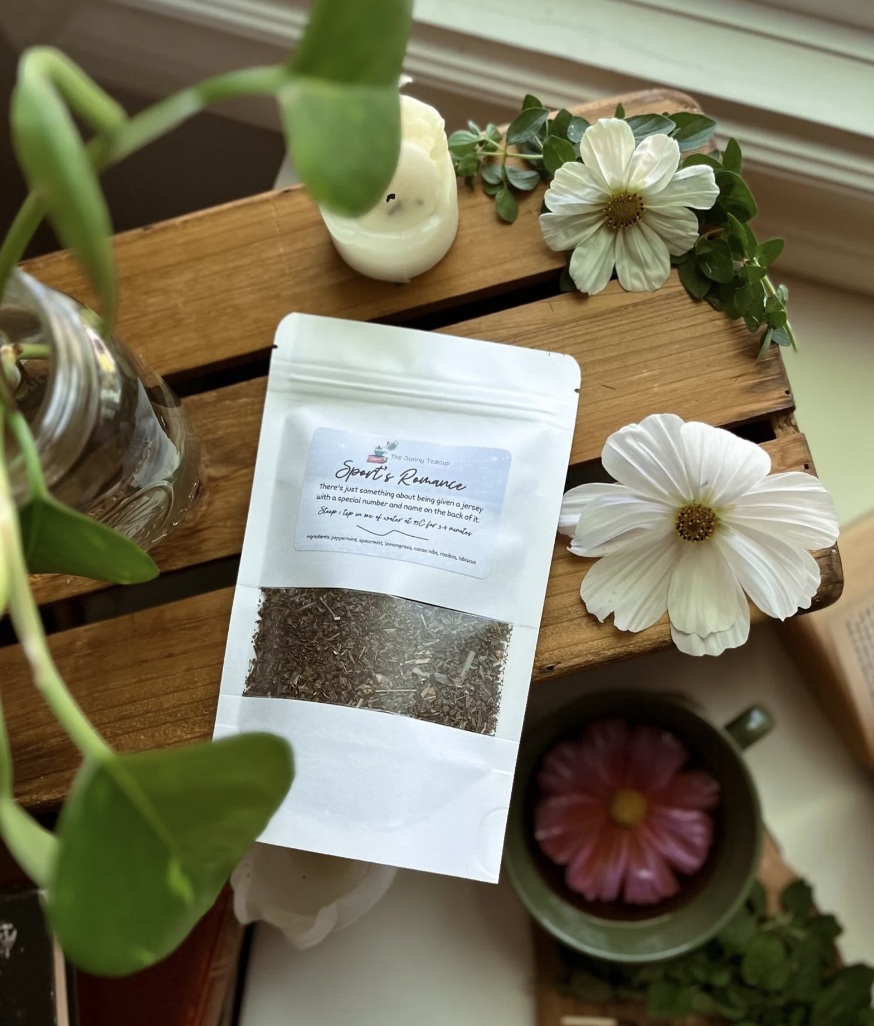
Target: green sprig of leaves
{"points": [[542, 141], [761, 970], [729, 267]]}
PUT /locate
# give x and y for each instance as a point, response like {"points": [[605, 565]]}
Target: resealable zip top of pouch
{"points": [[400, 532]]}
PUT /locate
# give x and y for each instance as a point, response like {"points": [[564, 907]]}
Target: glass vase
{"points": [[113, 439]]}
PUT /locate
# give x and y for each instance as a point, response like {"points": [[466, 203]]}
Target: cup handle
{"points": [[751, 726]]}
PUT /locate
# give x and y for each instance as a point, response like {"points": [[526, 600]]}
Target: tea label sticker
{"points": [[421, 502]]}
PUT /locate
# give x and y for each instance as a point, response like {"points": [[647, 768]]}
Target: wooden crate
{"points": [[200, 299]]}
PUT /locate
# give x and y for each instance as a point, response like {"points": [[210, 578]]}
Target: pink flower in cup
{"points": [[618, 813]]}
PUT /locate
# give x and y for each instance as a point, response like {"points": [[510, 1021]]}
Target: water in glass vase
{"points": [[113, 440]]}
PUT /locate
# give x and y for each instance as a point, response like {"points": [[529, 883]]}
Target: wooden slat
{"points": [[212, 286], [639, 354], [151, 679]]}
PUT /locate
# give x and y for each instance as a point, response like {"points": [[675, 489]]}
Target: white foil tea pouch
{"points": [[406, 495]]}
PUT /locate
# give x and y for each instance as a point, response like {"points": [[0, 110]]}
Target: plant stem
{"points": [[28, 625], [769, 288], [107, 150], [36, 481]]}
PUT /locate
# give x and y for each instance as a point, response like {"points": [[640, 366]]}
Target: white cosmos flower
{"points": [[625, 206], [694, 522]]}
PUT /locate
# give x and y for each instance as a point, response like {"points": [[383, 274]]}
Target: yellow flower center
{"points": [[696, 522], [628, 807], [624, 210]]}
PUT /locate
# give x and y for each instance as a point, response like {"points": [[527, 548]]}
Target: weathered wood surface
{"points": [[656, 352], [212, 286], [208, 290], [151, 678]]}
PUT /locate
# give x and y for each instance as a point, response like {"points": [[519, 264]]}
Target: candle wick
{"points": [[390, 197]]}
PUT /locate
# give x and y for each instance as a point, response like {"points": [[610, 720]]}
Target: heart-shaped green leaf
{"points": [[60, 540], [148, 841], [31, 845], [359, 42], [320, 118], [341, 109], [52, 155]]}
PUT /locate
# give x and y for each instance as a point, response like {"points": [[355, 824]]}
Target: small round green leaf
{"points": [[526, 125], [738, 932], [559, 124], [702, 158], [848, 993], [714, 259], [692, 130], [731, 157], [766, 963], [462, 142], [768, 252], [735, 196], [523, 178], [557, 151], [697, 284], [492, 172], [506, 205], [576, 129], [666, 1000]]}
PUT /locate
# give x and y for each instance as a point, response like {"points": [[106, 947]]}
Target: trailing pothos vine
{"points": [[728, 267]]}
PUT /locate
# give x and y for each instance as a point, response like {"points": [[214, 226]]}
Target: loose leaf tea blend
{"points": [[403, 514], [375, 651]]}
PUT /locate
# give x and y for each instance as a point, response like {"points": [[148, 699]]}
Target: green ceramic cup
{"points": [[707, 900]]}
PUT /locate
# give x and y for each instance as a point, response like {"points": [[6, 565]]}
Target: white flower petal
{"points": [[715, 644], [567, 231], [720, 465], [648, 458], [677, 227], [693, 186], [607, 146], [653, 164], [780, 578], [592, 263], [793, 506], [642, 259], [702, 596], [576, 189], [633, 582], [609, 516]]}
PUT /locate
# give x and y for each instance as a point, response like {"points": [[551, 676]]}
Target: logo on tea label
{"points": [[379, 452], [439, 505]]}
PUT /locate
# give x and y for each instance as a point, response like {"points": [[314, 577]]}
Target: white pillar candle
{"points": [[414, 224]]}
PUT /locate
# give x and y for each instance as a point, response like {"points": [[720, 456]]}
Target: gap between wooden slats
{"points": [[638, 354]]}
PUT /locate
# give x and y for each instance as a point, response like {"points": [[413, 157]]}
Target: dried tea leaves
{"points": [[374, 651]]}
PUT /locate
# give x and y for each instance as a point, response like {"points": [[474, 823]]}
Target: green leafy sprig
{"points": [[761, 970], [728, 266]]}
